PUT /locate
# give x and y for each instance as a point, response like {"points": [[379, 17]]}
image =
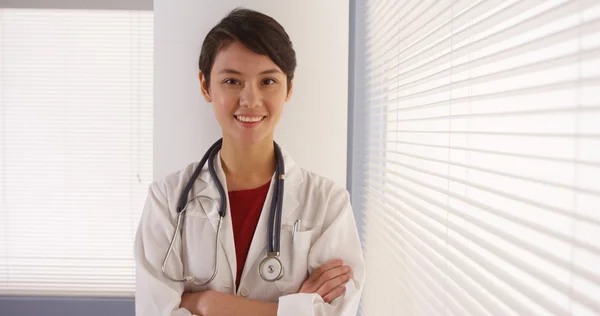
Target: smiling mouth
{"points": [[249, 119]]}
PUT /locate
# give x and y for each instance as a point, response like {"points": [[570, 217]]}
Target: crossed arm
{"points": [[156, 295], [328, 281]]}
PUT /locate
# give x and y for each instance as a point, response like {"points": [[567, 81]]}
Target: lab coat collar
{"points": [[207, 188]]}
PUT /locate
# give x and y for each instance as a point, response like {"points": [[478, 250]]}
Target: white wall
{"points": [[313, 127]]}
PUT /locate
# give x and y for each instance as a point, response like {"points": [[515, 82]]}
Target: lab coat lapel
{"points": [[258, 247], [260, 238], [211, 192]]}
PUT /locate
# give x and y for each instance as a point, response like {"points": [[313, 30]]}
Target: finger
{"points": [[332, 284], [331, 264], [331, 274], [337, 292]]}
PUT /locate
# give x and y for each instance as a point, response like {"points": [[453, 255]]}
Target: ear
{"points": [[203, 87], [291, 89]]}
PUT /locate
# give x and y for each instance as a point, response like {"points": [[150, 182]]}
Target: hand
{"points": [[327, 280], [210, 303], [194, 302]]}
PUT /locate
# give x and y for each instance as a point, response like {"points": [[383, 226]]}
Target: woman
{"points": [[247, 68]]}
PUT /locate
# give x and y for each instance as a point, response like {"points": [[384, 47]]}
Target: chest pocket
{"points": [[294, 257]]}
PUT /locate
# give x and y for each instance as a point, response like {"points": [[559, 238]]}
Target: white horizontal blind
{"points": [[75, 148], [482, 171]]}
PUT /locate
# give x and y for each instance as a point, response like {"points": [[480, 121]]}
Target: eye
{"points": [[269, 81], [231, 81]]}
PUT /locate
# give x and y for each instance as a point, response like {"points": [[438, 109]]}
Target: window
{"points": [[477, 156], [75, 148]]}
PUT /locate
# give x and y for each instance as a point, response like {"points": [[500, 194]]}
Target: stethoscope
{"points": [[270, 268]]}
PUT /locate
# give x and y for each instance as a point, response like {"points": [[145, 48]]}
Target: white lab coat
{"points": [[327, 231]]}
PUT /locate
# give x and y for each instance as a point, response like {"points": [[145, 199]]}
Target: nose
{"points": [[250, 97]]}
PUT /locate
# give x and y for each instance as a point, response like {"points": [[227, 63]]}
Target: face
{"points": [[248, 92]]}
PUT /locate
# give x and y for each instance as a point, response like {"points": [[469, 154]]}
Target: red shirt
{"points": [[245, 206]]}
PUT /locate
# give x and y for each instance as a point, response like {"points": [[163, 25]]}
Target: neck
{"points": [[248, 166]]}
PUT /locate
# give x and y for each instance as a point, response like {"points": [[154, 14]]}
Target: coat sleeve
{"points": [[155, 295], [339, 240]]}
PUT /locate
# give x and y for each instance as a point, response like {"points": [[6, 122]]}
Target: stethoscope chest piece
{"points": [[270, 268]]}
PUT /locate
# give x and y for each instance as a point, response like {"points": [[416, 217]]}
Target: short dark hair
{"points": [[258, 32]]}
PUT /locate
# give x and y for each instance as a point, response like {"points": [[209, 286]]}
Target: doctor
{"points": [[247, 68]]}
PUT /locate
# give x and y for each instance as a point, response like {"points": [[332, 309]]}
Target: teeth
{"points": [[249, 119]]}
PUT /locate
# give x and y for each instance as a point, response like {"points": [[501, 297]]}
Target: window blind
{"points": [[480, 167], [75, 148]]}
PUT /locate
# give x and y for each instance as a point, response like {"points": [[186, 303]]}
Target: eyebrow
{"points": [[235, 72], [270, 71]]}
